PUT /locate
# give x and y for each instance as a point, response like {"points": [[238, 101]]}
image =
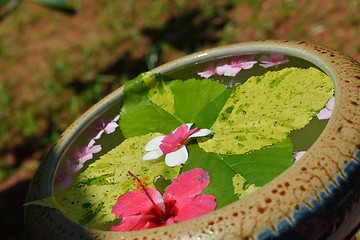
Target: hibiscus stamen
{"points": [[160, 213]]}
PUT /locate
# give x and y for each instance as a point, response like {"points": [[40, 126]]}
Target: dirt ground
{"points": [[54, 65]]}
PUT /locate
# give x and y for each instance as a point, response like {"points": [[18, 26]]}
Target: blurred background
{"points": [[57, 62]]}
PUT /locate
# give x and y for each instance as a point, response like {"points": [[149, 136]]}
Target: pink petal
{"points": [[324, 114], [63, 176], [116, 118], [110, 128], [228, 70], [267, 64], [272, 60], [91, 143], [299, 155], [197, 206], [181, 131], [95, 149], [65, 182], [248, 65], [330, 104], [85, 157], [99, 134], [187, 185], [177, 157], [137, 202], [133, 223], [177, 139], [207, 73]]}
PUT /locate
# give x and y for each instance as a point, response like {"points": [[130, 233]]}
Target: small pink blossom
{"points": [[107, 127], [173, 145], [235, 66], [63, 176], [326, 112], [299, 155], [182, 200], [86, 153], [208, 72], [272, 60]]}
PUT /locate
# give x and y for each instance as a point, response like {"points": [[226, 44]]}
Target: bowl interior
{"points": [[96, 131]]}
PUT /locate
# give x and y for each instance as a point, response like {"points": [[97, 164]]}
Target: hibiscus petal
{"points": [[324, 114], [299, 155], [207, 73], [137, 202], [202, 133], [198, 206], [267, 64], [248, 65], [154, 143], [228, 70], [187, 184], [85, 158], [330, 104], [117, 117], [91, 143], [63, 183], [110, 128], [152, 155], [131, 223], [95, 149], [99, 134], [182, 130], [176, 158]]}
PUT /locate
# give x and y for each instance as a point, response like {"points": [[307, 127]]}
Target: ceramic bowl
{"points": [[316, 198]]}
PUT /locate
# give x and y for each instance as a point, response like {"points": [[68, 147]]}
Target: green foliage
{"points": [[26, 121], [4, 2], [257, 167], [61, 5], [153, 115]]}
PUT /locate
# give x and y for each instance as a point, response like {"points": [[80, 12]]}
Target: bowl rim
{"points": [[327, 166]]}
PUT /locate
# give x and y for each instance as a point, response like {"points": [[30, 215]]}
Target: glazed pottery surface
{"points": [[316, 198]]}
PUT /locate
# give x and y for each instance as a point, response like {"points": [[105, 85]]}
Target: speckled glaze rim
{"points": [[317, 198]]}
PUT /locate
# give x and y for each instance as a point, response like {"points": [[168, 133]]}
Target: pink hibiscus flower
{"points": [[107, 127], [86, 153], [272, 60], [326, 112], [173, 145], [208, 72], [63, 176], [235, 66], [181, 201]]}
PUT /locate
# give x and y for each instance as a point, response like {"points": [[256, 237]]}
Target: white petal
{"points": [[177, 158], [152, 155], [189, 125], [202, 133], [154, 143]]}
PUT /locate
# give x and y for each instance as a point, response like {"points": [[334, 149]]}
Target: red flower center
{"points": [[158, 216]]}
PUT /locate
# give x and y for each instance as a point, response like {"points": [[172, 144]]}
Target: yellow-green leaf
{"points": [[265, 109]]}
